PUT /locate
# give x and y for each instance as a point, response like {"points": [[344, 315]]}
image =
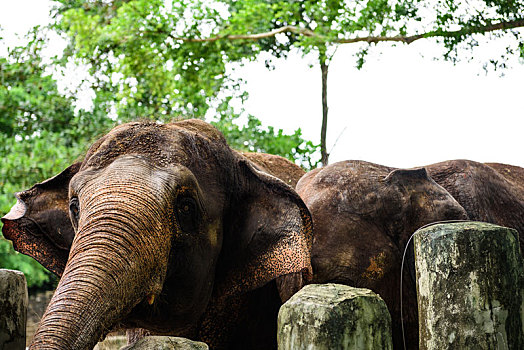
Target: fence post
{"points": [[333, 316], [13, 309], [469, 286]]}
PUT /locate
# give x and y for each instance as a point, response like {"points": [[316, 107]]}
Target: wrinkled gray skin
{"points": [[363, 216], [173, 232]]}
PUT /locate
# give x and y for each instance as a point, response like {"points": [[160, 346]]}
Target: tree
{"points": [[28, 97], [184, 46]]}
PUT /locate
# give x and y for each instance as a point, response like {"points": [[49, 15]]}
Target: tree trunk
{"points": [[323, 149]]}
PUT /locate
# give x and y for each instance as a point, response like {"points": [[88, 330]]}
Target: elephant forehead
{"points": [[177, 143], [344, 184], [134, 175], [357, 176], [146, 139], [133, 171]]}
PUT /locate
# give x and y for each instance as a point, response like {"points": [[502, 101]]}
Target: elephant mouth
{"points": [[150, 313]]}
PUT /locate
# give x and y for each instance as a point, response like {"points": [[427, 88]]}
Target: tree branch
{"points": [[439, 33], [285, 29], [369, 39]]}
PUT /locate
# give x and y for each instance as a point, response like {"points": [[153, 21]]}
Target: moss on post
{"points": [[469, 285], [332, 316], [166, 343]]}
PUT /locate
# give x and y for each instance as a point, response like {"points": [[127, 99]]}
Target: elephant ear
{"points": [[39, 223], [267, 236]]}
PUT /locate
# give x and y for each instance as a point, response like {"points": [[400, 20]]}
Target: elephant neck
{"points": [[242, 321]]}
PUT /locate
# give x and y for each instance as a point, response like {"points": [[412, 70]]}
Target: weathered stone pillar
{"points": [[166, 343], [13, 309], [469, 284], [333, 316]]}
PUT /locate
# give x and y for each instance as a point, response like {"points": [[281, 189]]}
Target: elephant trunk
{"points": [[114, 264], [77, 313]]}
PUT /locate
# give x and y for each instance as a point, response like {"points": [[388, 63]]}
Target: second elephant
{"points": [[363, 216]]}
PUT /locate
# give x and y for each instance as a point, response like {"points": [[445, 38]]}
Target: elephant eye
{"points": [[187, 214], [74, 211]]}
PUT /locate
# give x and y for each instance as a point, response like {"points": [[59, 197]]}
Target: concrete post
{"points": [[469, 285], [333, 316], [13, 309], [166, 343]]}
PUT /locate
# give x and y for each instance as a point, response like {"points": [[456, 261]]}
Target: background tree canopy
{"points": [[184, 46], [168, 60]]}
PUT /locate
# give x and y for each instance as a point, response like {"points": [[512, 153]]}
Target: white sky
{"points": [[401, 110]]}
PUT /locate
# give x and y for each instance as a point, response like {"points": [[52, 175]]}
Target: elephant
{"points": [[490, 192], [363, 216], [165, 227]]}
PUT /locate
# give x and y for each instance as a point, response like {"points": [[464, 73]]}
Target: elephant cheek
{"points": [[215, 236]]}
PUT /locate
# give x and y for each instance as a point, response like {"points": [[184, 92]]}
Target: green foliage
{"points": [[457, 24], [471, 20], [164, 59], [133, 52], [28, 95], [35, 274]]}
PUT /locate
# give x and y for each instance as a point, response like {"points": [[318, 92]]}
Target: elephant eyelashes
{"points": [[74, 211], [187, 214]]}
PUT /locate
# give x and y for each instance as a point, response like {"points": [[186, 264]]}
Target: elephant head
{"points": [[172, 230], [364, 215]]}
